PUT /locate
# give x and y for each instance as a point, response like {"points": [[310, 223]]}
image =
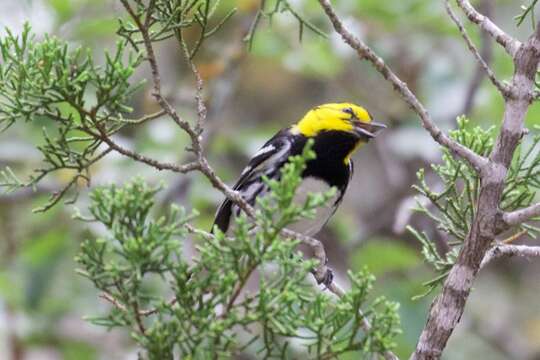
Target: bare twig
{"points": [[520, 216], [365, 53], [156, 77], [501, 250], [117, 304], [510, 44], [503, 88], [138, 317], [486, 53], [515, 237], [144, 118], [201, 163], [191, 166]]}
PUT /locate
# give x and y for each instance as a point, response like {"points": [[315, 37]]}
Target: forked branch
{"points": [[448, 307], [510, 44], [501, 250], [364, 52], [503, 88]]}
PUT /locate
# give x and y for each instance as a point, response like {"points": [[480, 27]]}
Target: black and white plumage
{"points": [[332, 166]]}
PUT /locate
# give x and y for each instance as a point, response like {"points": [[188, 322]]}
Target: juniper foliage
{"points": [[173, 305], [452, 207], [250, 292], [527, 11], [75, 100]]}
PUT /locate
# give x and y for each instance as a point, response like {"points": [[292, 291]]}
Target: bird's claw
{"points": [[326, 279]]}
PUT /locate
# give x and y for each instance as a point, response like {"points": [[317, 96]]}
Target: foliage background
{"points": [[250, 95]]}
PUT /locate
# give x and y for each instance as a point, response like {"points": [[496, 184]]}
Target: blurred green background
{"points": [[251, 93]]}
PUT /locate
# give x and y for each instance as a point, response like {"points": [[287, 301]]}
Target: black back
{"points": [[331, 149]]}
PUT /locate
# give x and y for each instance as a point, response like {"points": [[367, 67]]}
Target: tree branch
{"points": [[448, 307], [191, 166], [510, 44], [486, 53], [520, 216], [503, 88], [500, 250], [117, 304], [365, 53], [156, 77]]}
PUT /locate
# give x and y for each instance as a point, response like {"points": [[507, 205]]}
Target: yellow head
{"points": [[347, 125], [343, 117]]}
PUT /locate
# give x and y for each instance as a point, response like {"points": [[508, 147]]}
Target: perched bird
{"points": [[337, 131]]}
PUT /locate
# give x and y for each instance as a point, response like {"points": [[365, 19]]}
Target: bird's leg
{"points": [[327, 278], [323, 274]]}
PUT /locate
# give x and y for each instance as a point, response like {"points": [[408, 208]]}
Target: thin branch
{"points": [[201, 163], [117, 304], [111, 299], [522, 215], [499, 251], [366, 53], [201, 107], [143, 119], [510, 44], [486, 53], [156, 77], [191, 166], [515, 237], [138, 317], [503, 88]]}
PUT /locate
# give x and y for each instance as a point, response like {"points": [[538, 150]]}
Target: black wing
{"points": [[267, 161]]}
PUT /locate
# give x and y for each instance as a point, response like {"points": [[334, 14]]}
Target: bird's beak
{"points": [[369, 130]]}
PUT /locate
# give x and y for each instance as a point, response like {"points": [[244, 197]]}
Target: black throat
{"points": [[331, 148]]}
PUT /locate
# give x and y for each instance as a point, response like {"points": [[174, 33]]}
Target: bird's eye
{"points": [[348, 111]]}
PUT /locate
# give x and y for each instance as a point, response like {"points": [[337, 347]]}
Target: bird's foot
{"points": [[326, 279]]}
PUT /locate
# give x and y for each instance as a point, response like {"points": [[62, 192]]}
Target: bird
{"points": [[337, 130]]}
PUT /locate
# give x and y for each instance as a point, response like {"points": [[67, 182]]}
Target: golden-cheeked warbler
{"points": [[337, 131]]}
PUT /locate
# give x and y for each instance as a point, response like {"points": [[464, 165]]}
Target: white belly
{"points": [[312, 226]]}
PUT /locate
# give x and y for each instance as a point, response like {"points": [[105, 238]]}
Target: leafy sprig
{"points": [[61, 89], [527, 11], [245, 293], [268, 11], [164, 19], [453, 207]]}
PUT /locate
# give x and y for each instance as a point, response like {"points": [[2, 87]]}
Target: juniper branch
{"points": [[364, 52]]}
